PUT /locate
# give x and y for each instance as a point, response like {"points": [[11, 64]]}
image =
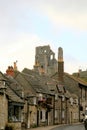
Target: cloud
{"points": [[71, 67], [68, 15], [22, 49], [18, 37], [73, 64], [61, 13]]}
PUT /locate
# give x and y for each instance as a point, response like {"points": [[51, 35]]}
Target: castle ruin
{"points": [[45, 61]]}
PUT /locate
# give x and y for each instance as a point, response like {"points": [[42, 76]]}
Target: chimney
{"points": [[36, 66], [60, 64], [41, 70], [10, 71], [78, 74], [15, 65]]}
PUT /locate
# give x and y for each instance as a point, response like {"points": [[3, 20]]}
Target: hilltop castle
{"points": [[45, 61]]}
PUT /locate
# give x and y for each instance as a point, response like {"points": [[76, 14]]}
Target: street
{"points": [[71, 127]]}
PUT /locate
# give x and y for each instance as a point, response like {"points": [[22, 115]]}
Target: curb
{"points": [[52, 127]]}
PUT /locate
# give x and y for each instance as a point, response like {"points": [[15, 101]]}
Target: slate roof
{"points": [[12, 95], [43, 83], [71, 83], [77, 79], [37, 81], [81, 74], [28, 90], [2, 77]]}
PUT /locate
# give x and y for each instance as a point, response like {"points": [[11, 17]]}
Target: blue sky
{"points": [[25, 24]]}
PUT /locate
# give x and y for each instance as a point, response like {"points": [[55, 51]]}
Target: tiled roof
{"points": [[71, 83], [2, 77], [79, 80], [12, 95], [37, 81], [41, 82], [28, 90]]}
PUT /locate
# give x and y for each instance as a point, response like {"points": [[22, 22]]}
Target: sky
{"points": [[26, 24]]}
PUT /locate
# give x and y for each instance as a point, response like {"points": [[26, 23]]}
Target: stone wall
{"points": [[15, 126], [45, 58], [3, 111]]}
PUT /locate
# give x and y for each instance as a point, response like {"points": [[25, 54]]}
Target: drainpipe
{"points": [[53, 109], [28, 118], [66, 110], [61, 110], [79, 108]]}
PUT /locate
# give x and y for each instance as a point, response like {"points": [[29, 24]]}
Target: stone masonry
{"points": [[45, 60]]}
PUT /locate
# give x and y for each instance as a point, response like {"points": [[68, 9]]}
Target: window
{"points": [[63, 114], [85, 112], [56, 96], [43, 115], [51, 57], [56, 114], [71, 101], [45, 51], [14, 113], [34, 100]]}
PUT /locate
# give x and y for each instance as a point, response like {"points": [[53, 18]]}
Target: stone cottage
{"points": [[39, 100], [74, 86], [11, 105]]}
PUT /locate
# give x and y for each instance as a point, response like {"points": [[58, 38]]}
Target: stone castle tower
{"points": [[45, 61]]}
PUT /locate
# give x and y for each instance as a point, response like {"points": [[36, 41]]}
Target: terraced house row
{"points": [[45, 95]]}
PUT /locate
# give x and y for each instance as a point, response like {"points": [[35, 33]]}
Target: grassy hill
{"points": [[81, 74]]}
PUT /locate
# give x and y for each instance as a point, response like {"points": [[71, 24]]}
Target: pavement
{"points": [[48, 127], [43, 128]]}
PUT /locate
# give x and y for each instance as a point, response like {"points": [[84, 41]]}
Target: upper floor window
{"points": [[51, 57], [45, 51]]}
